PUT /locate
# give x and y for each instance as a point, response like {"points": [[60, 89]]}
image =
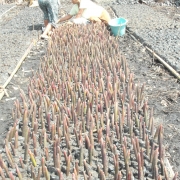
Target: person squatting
{"points": [[83, 11]]}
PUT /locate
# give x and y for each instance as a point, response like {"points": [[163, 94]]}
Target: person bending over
{"points": [[86, 10], [50, 9]]}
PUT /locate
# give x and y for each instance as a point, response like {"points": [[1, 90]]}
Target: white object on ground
{"points": [[18, 2], [10, 99], [34, 4], [80, 21]]}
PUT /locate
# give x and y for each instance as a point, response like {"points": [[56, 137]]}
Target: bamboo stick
{"points": [[7, 11], [173, 71], [17, 67]]}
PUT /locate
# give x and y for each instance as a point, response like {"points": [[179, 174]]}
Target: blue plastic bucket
{"points": [[118, 26]]}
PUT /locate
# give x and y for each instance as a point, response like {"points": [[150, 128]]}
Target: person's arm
{"points": [[65, 18], [80, 12]]}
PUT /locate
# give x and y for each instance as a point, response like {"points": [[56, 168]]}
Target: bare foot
{"points": [[50, 33], [44, 37]]}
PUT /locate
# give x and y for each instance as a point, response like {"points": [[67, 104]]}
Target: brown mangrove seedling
{"points": [[83, 100]]}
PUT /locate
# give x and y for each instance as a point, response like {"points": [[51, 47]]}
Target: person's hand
{"points": [[78, 16], [80, 12]]}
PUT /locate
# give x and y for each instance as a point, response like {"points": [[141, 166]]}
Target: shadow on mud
{"points": [[35, 27]]}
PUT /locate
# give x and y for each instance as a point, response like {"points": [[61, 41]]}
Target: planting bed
{"points": [[83, 115], [161, 91]]}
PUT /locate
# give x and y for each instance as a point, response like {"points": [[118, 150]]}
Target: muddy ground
{"points": [[162, 91]]}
